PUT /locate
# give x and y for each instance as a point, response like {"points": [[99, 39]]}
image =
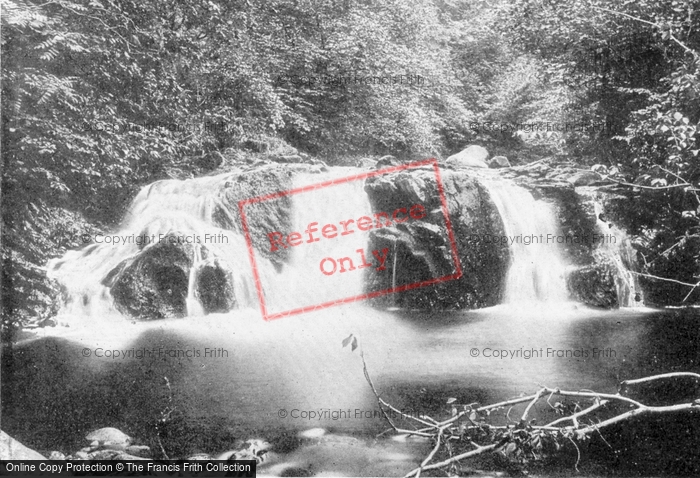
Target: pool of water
{"points": [[223, 378]]}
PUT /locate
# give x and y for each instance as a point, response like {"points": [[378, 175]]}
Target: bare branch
{"points": [[660, 377]]}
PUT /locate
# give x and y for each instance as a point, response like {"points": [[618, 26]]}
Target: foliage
{"points": [[634, 68], [103, 96]]}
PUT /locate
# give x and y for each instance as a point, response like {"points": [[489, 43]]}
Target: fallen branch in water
{"points": [[480, 430]]}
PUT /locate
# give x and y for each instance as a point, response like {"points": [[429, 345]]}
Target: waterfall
{"points": [[301, 283], [537, 271], [184, 208], [620, 254]]}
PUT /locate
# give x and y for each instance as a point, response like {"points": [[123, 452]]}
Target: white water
{"points": [[184, 208], [301, 283], [538, 271], [618, 251]]}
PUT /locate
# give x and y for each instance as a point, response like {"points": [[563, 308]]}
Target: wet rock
{"points": [[499, 162], [214, 287], [11, 449], [421, 249], [473, 156], [155, 284], [594, 285]]}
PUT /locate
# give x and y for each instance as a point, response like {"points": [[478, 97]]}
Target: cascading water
{"points": [[187, 209], [301, 283], [537, 272], [161, 212], [620, 254]]}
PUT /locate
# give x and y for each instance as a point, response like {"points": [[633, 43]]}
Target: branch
{"points": [[655, 188], [671, 36], [644, 410], [479, 451], [665, 279], [577, 415], [531, 404], [659, 377]]}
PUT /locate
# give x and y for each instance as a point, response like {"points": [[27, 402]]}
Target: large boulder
{"points": [[421, 249], [11, 449], [473, 156], [155, 284]]}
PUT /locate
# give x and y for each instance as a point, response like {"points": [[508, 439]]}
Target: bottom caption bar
{"points": [[127, 468]]}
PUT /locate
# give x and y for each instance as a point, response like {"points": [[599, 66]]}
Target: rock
{"points": [[155, 284], [104, 455], [255, 146], [293, 158], [253, 449], [387, 161], [594, 285], [11, 449], [313, 433], [200, 456], [214, 287], [473, 156], [584, 178], [499, 162], [423, 249], [126, 456], [366, 163], [81, 455], [139, 450], [319, 168], [109, 435], [57, 455]]}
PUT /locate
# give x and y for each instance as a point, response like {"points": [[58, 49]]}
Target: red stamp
{"points": [[324, 254]]}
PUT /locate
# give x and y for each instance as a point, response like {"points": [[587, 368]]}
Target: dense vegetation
{"points": [[103, 96]]}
